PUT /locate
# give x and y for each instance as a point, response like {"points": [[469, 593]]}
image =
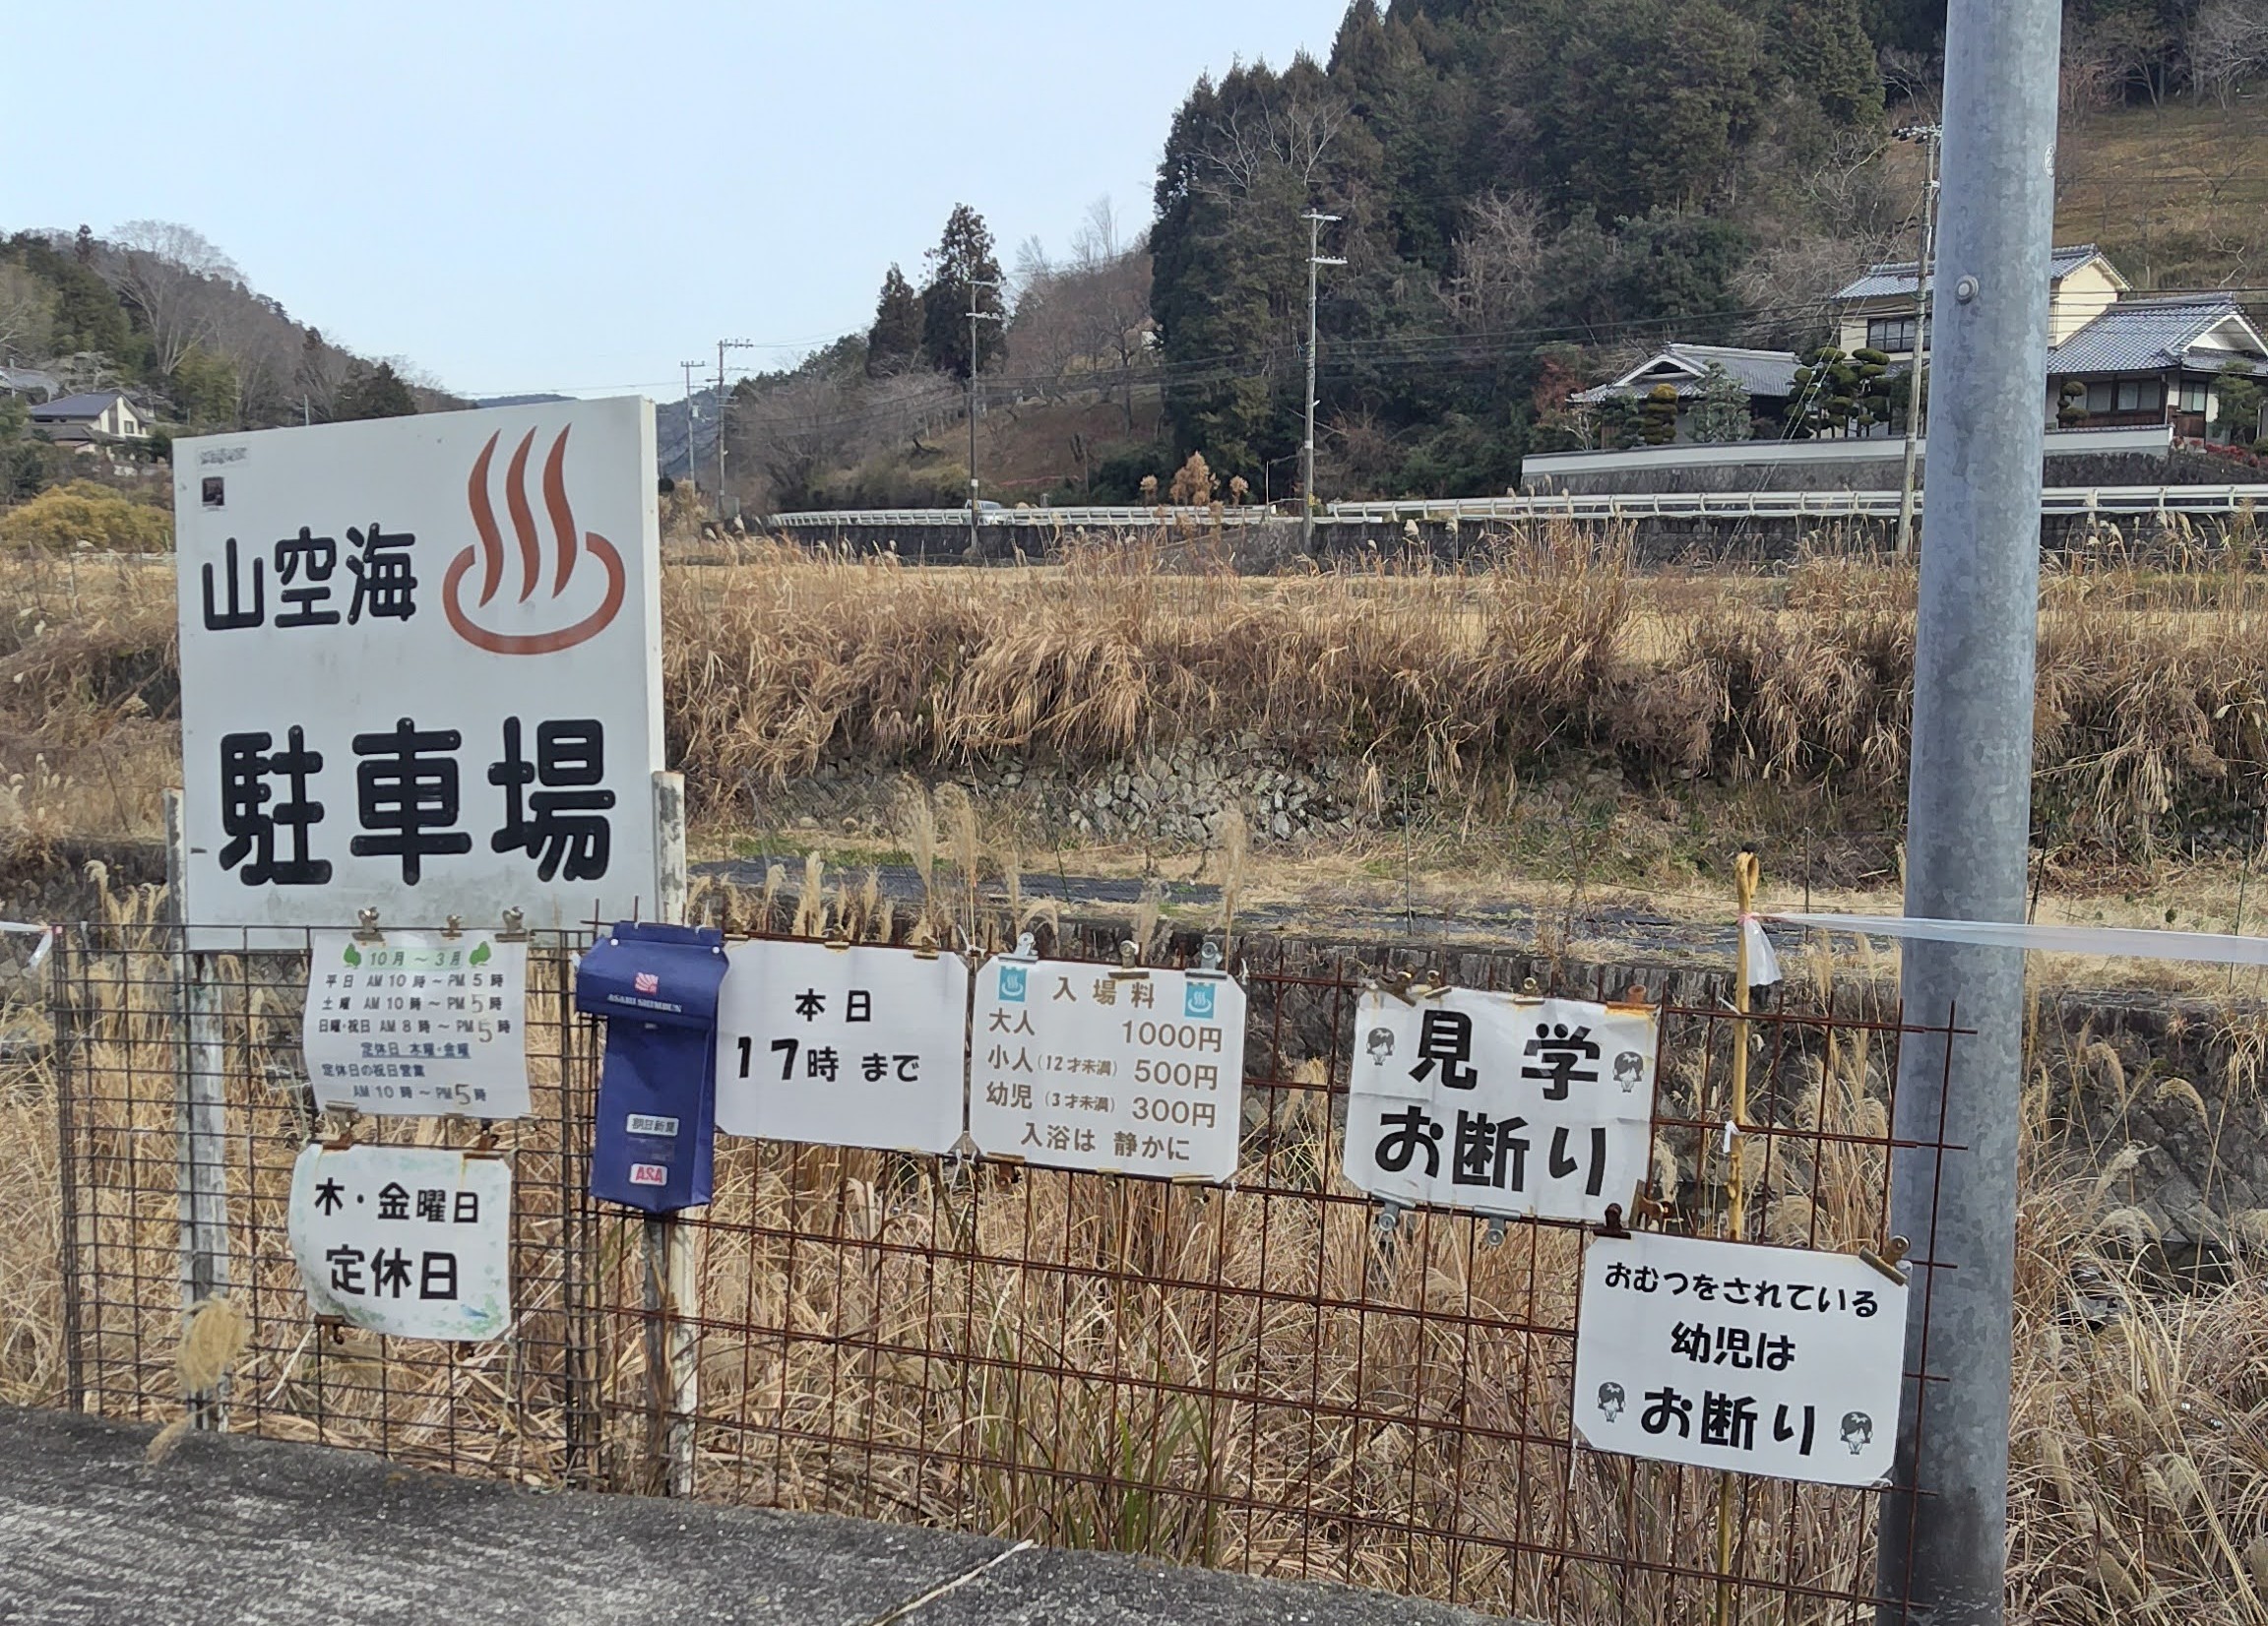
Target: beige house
{"points": [[103, 415], [1876, 312], [2113, 361]]}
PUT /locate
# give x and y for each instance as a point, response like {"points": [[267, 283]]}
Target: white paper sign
{"points": [[1077, 1065], [1500, 1104], [1726, 1354], [421, 668], [857, 1046], [418, 1023], [412, 1241]]}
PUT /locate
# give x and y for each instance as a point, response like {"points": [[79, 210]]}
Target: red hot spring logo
{"points": [[568, 545]]}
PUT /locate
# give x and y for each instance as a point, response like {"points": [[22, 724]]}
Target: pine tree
{"points": [[374, 391], [963, 254], [894, 342], [1724, 411]]}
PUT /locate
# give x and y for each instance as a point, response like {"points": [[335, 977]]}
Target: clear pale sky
{"points": [[578, 196]]}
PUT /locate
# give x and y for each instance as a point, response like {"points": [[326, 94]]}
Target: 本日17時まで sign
{"points": [[412, 1241], [1533, 1107], [842, 1046], [1779, 1362], [420, 669], [1080, 1066], [419, 1022]]}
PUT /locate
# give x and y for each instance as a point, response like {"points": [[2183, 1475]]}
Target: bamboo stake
{"points": [[1745, 874]]}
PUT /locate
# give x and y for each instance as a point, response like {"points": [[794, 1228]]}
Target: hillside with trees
{"points": [[1529, 195], [156, 311]]}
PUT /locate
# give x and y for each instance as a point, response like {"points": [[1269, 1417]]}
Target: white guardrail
{"points": [[1724, 505]]}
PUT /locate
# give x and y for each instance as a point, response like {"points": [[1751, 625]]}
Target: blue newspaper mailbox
{"points": [[657, 986]]}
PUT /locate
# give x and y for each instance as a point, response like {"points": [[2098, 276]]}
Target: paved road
{"points": [[249, 1533]]}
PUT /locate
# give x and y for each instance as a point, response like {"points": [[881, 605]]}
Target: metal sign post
{"points": [[200, 1116], [671, 1266]]}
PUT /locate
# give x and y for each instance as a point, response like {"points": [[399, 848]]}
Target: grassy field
{"points": [[1548, 719]]}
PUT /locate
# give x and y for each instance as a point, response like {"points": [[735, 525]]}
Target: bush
{"points": [[84, 512]]}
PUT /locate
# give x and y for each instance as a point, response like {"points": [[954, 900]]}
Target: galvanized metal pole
{"points": [[1315, 259], [672, 1277], [972, 550], [975, 315], [691, 479], [1943, 1528]]}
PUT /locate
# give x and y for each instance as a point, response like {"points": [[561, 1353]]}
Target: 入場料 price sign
{"points": [[1081, 1066], [420, 669], [419, 1022], [842, 1046], [1733, 1355], [1500, 1104], [412, 1241]]}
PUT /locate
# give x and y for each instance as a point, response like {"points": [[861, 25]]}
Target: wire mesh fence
{"points": [[1278, 1376]]}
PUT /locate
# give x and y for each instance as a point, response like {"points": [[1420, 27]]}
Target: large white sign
{"points": [[419, 1022], [842, 1046], [412, 1241], [1500, 1104], [421, 668], [1726, 1354], [1080, 1066]]}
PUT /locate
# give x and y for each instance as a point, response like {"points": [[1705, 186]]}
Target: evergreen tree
{"points": [[1658, 414], [1724, 411], [963, 255], [894, 342], [374, 391]]}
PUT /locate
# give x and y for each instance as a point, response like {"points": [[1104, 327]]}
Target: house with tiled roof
{"points": [[2116, 359], [2155, 360], [1767, 375], [1876, 311], [92, 418]]}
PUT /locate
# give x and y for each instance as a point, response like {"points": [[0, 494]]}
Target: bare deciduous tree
{"points": [[27, 312], [2226, 45], [1496, 260], [170, 274]]}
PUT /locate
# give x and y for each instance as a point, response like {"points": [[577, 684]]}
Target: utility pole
{"points": [[975, 316], [1315, 223], [690, 478], [1931, 136], [1943, 1527], [723, 344]]}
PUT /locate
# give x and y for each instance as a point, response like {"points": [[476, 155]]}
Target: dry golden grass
{"points": [[1546, 654]]}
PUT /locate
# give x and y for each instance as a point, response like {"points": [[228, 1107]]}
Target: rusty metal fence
{"points": [[1276, 1377]]}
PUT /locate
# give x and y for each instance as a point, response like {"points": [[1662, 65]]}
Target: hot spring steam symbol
{"points": [[568, 545]]}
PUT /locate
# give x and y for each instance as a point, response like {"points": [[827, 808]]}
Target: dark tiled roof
{"points": [[2146, 336], [1896, 277], [79, 407], [1760, 372]]}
